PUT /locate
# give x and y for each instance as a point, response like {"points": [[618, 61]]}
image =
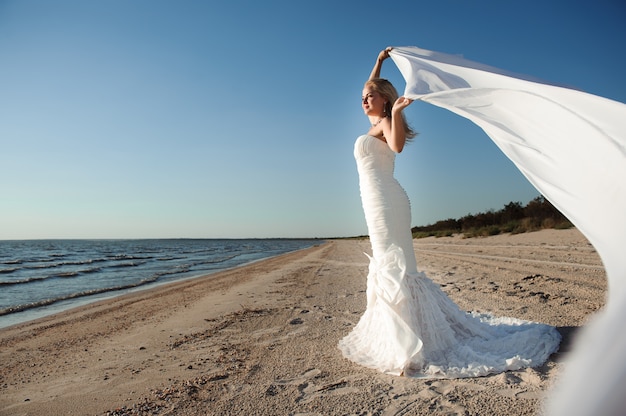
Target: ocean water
{"points": [[42, 277]]}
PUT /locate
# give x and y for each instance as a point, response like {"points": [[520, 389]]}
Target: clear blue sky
{"points": [[153, 118]]}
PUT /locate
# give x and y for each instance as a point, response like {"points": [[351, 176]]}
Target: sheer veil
{"points": [[571, 146]]}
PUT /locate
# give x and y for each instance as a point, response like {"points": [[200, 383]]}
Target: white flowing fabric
{"points": [[410, 326], [572, 147]]}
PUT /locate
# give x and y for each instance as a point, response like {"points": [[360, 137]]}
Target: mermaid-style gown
{"points": [[410, 325]]}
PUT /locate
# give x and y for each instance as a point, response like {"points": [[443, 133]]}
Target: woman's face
{"points": [[372, 102]]}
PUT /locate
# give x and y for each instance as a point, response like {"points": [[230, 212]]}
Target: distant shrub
{"points": [[514, 218], [421, 234], [563, 225]]}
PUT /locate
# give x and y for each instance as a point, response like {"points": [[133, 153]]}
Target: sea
{"points": [[43, 277]]}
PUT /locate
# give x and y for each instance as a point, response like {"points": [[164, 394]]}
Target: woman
{"points": [[410, 326]]}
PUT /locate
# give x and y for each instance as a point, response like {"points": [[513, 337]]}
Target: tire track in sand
{"points": [[453, 254]]}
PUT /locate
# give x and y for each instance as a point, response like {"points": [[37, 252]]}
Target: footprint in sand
{"points": [[265, 331], [524, 385], [307, 375], [275, 335], [312, 385], [432, 397]]}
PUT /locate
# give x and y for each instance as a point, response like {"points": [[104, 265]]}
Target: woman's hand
{"points": [[384, 54], [400, 104]]}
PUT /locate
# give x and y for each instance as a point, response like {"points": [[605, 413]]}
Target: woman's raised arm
{"points": [[384, 54]]}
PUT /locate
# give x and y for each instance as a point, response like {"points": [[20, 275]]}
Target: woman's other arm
{"points": [[393, 130]]}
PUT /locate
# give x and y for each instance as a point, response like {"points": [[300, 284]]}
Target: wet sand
{"points": [[261, 339]]}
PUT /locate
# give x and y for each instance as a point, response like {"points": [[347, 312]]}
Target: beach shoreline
{"points": [[261, 338], [95, 270]]}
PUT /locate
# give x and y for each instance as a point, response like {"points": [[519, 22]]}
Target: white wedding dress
{"points": [[410, 325]]}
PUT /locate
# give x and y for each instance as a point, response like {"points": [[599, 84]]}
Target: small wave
{"points": [[47, 302], [67, 274], [128, 264], [22, 281], [42, 266], [82, 262], [52, 276], [7, 271], [127, 257], [12, 262], [50, 265], [79, 272], [218, 260], [178, 270]]}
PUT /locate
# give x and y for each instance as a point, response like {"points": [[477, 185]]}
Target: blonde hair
{"points": [[387, 90]]}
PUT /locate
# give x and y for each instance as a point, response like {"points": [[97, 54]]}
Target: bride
{"points": [[410, 326]]}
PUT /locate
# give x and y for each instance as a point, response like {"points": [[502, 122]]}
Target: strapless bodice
{"points": [[373, 157]]}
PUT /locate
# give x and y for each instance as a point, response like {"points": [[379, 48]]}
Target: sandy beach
{"points": [[261, 339]]}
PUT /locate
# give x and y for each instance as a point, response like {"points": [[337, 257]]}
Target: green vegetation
{"points": [[513, 218]]}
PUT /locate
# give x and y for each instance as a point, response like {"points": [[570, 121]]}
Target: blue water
{"points": [[42, 277]]}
